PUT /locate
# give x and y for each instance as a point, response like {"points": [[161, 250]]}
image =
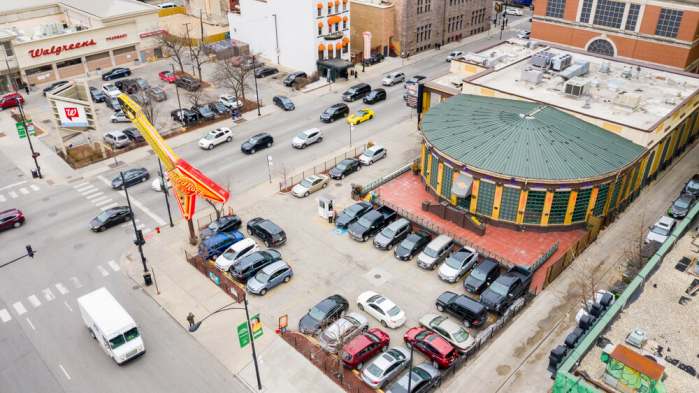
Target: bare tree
{"points": [[148, 105], [231, 75], [198, 97], [218, 207], [197, 53], [174, 47]]}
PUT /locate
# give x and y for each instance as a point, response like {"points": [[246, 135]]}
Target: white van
{"points": [[112, 327]]}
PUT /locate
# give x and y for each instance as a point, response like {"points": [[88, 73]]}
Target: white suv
{"points": [[660, 231], [216, 137], [235, 253], [110, 90], [393, 78], [455, 55], [372, 154], [116, 139], [306, 138], [230, 102]]}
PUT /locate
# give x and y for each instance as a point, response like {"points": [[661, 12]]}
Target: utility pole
{"points": [[254, 74], [30, 254], [139, 241], [276, 36], [410, 367], [201, 42], [164, 187], [252, 342], [177, 92]]}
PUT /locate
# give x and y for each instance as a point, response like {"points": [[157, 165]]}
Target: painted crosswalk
{"points": [[48, 294], [5, 315], [17, 190], [19, 308], [35, 302]]}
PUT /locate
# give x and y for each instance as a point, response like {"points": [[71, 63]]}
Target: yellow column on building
{"points": [[423, 151], [610, 193], [641, 171], [496, 201], [474, 195], [571, 206], [522, 206], [453, 198], [656, 159], [695, 127], [592, 202], [548, 200], [440, 174], [673, 144], [429, 169], [426, 96]]}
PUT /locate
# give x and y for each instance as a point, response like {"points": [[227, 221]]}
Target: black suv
{"points": [[116, 73], [291, 78], [284, 103], [334, 112], [356, 92], [323, 314], [188, 83], [265, 71], [411, 246], [375, 96], [481, 276], [128, 86], [256, 143], [226, 223], [472, 312], [97, 94], [344, 168], [185, 116], [249, 265], [352, 213], [267, 231]]}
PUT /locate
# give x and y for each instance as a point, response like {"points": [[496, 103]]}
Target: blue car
{"points": [[269, 277], [214, 246]]}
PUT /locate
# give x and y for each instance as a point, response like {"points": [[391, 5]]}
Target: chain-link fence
{"points": [[288, 182]]}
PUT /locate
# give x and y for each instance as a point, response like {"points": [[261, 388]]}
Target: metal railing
{"points": [[288, 182], [385, 179]]}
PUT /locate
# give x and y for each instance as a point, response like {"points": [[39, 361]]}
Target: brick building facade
{"points": [[656, 31]]}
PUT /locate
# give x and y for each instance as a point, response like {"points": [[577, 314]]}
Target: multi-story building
{"points": [[658, 31], [295, 34], [212, 11], [377, 17]]}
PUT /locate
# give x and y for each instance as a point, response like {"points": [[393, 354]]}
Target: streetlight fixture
{"points": [[139, 241], [254, 75], [163, 186], [193, 326]]}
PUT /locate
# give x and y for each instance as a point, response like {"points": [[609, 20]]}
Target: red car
{"points": [[12, 218], [10, 100], [167, 76], [364, 347], [439, 350]]}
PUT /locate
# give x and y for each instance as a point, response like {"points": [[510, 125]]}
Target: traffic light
{"points": [[139, 241], [30, 251]]}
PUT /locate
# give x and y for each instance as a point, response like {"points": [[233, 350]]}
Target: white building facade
{"points": [[294, 34]]}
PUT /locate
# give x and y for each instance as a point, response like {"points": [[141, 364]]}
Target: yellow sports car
{"points": [[361, 116]]}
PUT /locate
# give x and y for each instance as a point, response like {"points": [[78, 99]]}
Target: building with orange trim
{"points": [[655, 31]]}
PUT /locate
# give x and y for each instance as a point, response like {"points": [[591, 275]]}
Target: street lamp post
{"points": [[30, 254], [164, 188], [140, 241], [410, 367], [193, 326], [254, 75], [177, 92], [351, 128]]}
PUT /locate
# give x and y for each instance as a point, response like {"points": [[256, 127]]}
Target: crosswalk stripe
{"points": [[89, 191], [84, 187], [13, 194], [48, 295], [109, 206], [95, 195], [102, 202], [103, 271], [34, 187], [114, 266], [2, 198], [5, 316], [76, 283], [61, 288], [24, 191], [19, 308], [102, 198], [80, 185], [34, 301]]}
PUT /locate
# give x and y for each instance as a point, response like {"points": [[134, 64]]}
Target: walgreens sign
{"points": [[57, 50]]}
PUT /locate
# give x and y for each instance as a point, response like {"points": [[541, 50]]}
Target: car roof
{"points": [[310, 131], [274, 266], [665, 221], [487, 264], [374, 148], [9, 212], [467, 302], [260, 135]]}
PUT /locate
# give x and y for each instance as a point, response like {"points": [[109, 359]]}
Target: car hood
{"points": [[356, 228], [402, 251], [253, 285], [297, 141], [652, 236], [247, 145], [335, 172], [116, 182], [95, 223], [325, 115], [473, 283], [343, 220], [308, 324], [678, 210], [299, 189], [491, 299], [382, 240], [447, 271], [206, 233]]}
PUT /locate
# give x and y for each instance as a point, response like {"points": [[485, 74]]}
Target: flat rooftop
{"points": [[633, 95]]}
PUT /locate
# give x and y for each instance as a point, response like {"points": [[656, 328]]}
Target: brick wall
{"points": [[380, 21]]}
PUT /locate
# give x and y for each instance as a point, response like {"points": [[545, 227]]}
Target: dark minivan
{"points": [[217, 244], [375, 96], [481, 276], [267, 231], [356, 92], [249, 265]]}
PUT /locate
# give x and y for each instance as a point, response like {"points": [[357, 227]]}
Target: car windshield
{"points": [[117, 341], [478, 274], [205, 110], [210, 136], [682, 203], [454, 261], [261, 276], [460, 335], [131, 334], [305, 183], [374, 370], [342, 166], [364, 222], [388, 232], [431, 252], [693, 185], [498, 288], [229, 254], [302, 135], [660, 230], [104, 216], [316, 314], [214, 226], [395, 310]]}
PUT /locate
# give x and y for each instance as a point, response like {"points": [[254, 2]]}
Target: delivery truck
{"points": [[112, 327]]}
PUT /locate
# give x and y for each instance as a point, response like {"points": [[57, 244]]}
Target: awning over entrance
{"points": [[331, 69], [462, 185]]}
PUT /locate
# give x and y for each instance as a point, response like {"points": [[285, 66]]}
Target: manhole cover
{"points": [[377, 276]]}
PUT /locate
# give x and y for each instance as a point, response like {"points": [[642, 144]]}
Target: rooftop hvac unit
{"points": [[605, 68], [577, 87], [541, 59], [628, 100], [532, 75], [580, 68], [561, 62]]}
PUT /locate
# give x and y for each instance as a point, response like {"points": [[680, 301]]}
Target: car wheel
{"points": [[384, 324], [287, 278], [263, 291], [360, 307], [114, 121], [101, 229], [229, 139], [467, 323], [252, 151], [143, 179], [249, 232], [409, 345], [211, 147], [365, 328], [17, 224], [360, 366], [269, 144], [435, 364], [342, 176], [389, 247], [320, 139], [325, 185], [305, 194], [364, 238], [303, 146], [440, 308], [267, 243], [371, 117], [92, 334]]}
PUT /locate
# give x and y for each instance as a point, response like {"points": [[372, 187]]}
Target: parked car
{"points": [[334, 112], [119, 117], [52, 86], [361, 116], [219, 109], [393, 78], [156, 93], [251, 63], [414, 80], [344, 168], [133, 134], [110, 217], [455, 55], [129, 86], [506, 289], [227, 223], [188, 83], [692, 186], [660, 231], [131, 177], [113, 103], [375, 58], [448, 330], [375, 96], [342, 331], [230, 101], [97, 94], [481, 276], [265, 72], [438, 350], [356, 92], [381, 308], [290, 79], [524, 34], [371, 223], [248, 266], [214, 246], [435, 252], [283, 102], [110, 90], [116, 139], [411, 245], [11, 218], [513, 11], [215, 137], [10, 100], [323, 314], [384, 367], [142, 84], [680, 206], [184, 116], [116, 73], [363, 347], [424, 378], [310, 185], [269, 277], [167, 76], [394, 233], [306, 138], [257, 142], [351, 214], [372, 154], [471, 312], [204, 112], [457, 264], [267, 231]]}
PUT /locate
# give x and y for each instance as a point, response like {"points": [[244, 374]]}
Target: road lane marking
{"points": [[13, 194], [48, 295], [102, 199], [95, 195], [138, 204], [87, 189], [68, 306], [2, 198], [12, 185], [19, 308], [5, 316], [61, 288], [111, 205], [64, 371], [31, 324], [114, 266], [34, 187], [23, 191], [34, 301], [104, 202], [76, 283], [102, 271], [81, 184]]}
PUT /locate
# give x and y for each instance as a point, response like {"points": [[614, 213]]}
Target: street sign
{"points": [[22, 132], [256, 324], [244, 333]]}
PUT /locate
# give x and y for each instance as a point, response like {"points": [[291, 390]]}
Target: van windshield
{"points": [[119, 340]]}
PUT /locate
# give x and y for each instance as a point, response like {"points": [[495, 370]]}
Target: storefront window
{"points": [[448, 171], [559, 207], [434, 172], [486, 195], [581, 204], [509, 203], [535, 206]]}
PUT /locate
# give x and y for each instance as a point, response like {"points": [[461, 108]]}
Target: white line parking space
{"points": [[31, 325], [76, 283], [102, 271], [61, 288], [23, 191], [64, 372], [114, 266]]}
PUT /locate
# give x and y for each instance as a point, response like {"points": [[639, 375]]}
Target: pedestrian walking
{"points": [[26, 88], [190, 319]]}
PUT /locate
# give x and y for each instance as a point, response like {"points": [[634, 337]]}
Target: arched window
{"points": [[320, 28], [601, 47]]}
